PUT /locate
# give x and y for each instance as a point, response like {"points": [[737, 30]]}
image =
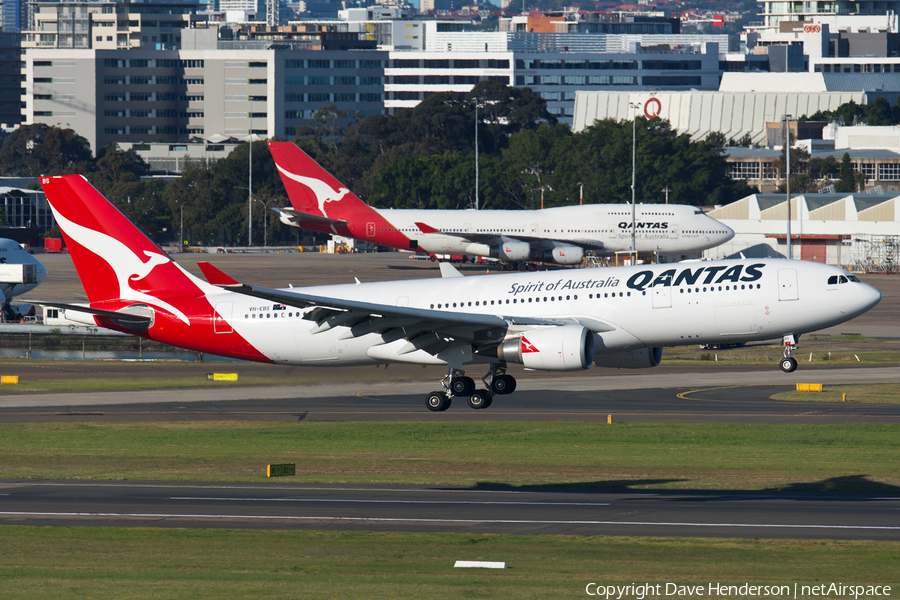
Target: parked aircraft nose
{"points": [[727, 233]]}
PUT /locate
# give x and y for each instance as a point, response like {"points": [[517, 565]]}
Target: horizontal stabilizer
{"points": [[114, 314], [216, 277], [298, 217]]}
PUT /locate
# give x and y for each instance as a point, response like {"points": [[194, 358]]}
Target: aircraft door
{"points": [[370, 229], [403, 301], [787, 285], [662, 296], [535, 229], [222, 316]]}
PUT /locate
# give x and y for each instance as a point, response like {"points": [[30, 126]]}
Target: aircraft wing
{"points": [[480, 238], [300, 218], [438, 327], [492, 238]]}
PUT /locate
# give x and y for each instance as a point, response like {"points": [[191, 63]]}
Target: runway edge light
{"points": [[287, 470], [479, 564]]}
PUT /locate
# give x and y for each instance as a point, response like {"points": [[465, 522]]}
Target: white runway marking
{"points": [[408, 520], [389, 501]]}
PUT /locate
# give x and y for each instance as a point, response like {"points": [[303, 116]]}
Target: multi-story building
{"points": [[10, 78], [774, 12], [111, 24], [554, 65], [188, 79]]}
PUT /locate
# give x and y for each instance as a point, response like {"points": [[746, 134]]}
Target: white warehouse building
{"points": [[857, 231]]}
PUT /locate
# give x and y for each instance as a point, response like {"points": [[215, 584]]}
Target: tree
{"points": [[846, 182], [39, 149]]}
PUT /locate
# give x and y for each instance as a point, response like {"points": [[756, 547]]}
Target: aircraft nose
{"points": [[867, 297], [729, 233]]}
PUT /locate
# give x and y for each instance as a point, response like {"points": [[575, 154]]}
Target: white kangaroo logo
{"points": [[126, 264], [324, 192]]}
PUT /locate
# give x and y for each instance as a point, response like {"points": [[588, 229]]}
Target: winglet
{"points": [[427, 228], [448, 270], [217, 277]]}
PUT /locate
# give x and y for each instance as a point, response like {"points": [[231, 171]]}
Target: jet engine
{"points": [[641, 358], [563, 255], [511, 251], [565, 348]]}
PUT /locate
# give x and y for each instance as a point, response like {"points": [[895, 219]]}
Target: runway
{"points": [[676, 397], [522, 512]]}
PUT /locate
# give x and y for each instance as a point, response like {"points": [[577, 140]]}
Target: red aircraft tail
{"points": [[118, 265], [310, 187]]}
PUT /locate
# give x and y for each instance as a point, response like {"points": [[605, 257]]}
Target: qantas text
{"points": [[639, 225], [701, 275]]}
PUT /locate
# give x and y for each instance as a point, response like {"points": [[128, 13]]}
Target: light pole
{"points": [[476, 153], [635, 105], [265, 204], [181, 242], [580, 193], [786, 140], [666, 191], [250, 184]]}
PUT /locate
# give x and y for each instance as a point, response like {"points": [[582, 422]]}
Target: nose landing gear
{"points": [[455, 383], [788, 363]]}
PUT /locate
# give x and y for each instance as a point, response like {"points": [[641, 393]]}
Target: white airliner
{"points": [[551, 320], [20, 273], [559, 235]]}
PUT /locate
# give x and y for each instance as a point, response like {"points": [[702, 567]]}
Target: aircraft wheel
{"points": [[437, 401], [480, 399], [462, 386], [504, 384], [788, 364]]}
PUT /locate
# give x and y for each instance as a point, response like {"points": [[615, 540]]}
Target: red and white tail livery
{"points": [[552, 320], [559, 235]]}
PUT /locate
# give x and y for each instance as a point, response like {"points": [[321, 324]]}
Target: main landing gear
{"points": [[455, 383], [789, 363]]}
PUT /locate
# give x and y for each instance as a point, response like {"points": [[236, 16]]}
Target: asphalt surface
{"points": [[665, 394], [522, 512]]}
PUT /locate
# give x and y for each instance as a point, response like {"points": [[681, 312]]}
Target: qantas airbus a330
{"points": [[552, 320], [554, 235]]}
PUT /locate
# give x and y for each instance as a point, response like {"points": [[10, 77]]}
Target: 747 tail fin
{"points": [[310, 187]]}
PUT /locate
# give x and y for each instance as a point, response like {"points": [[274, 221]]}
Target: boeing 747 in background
{"points": [[20, 273], [551, 320], [559, 235]]}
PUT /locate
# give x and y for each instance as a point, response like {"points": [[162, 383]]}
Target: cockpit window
{"points": [[833, 280], [698, 212], [854, 278], [843, 279]]}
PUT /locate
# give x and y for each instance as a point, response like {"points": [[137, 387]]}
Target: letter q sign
{"points": [[652, 108]]}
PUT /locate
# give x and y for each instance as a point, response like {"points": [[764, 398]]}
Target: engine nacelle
{"points": [[511, 251], [642, 358], [566, 348], [563, 255]]}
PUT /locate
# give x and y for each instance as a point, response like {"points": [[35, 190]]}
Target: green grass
{"points": [[694, 456], [869, 393], [137, 563]]}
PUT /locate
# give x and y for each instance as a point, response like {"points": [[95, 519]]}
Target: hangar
{"points": [[857, 231]]}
